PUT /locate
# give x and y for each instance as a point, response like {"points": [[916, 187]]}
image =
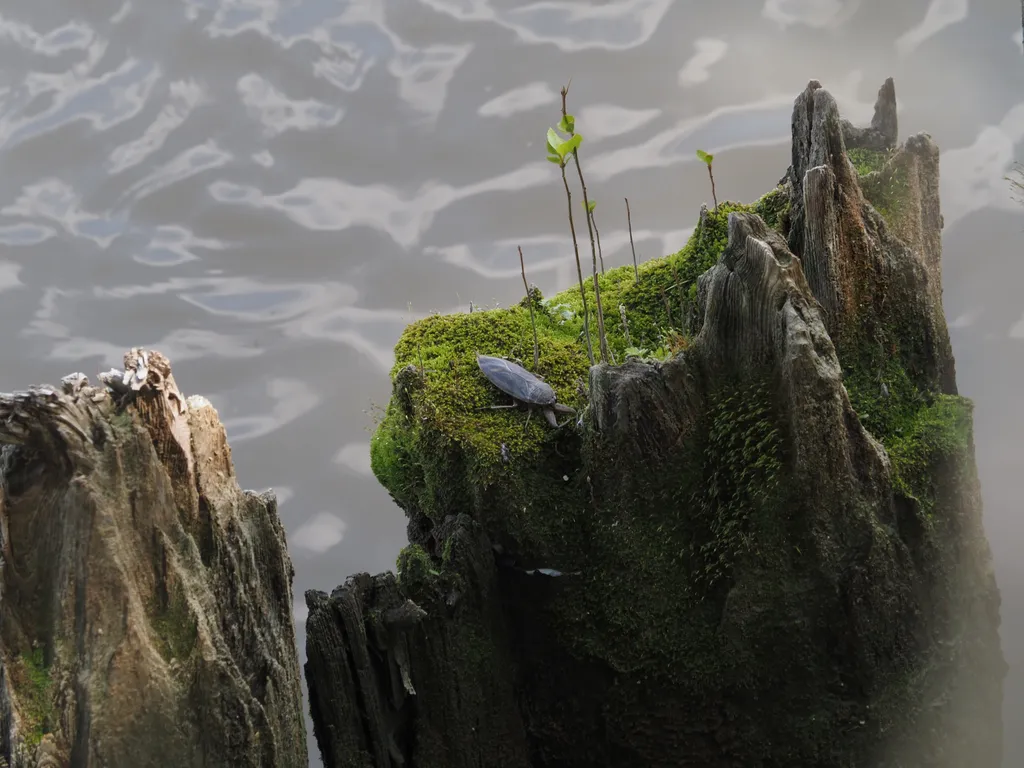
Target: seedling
{"points": [[708, 159], [559, 150], [567, 125]]}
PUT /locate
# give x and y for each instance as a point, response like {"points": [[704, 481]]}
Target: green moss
{"points": [[415, 566], [33, 685], [175, 626], [938, 431], [393, 458], [918, 426], [883, 180], [774, 209], [667, 536], [867, 160], [742, 466], [666, 293], [919, 429], [439, 429], [444, 416]]}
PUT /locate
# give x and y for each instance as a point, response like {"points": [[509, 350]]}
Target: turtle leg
{"points": [[550, 416]]}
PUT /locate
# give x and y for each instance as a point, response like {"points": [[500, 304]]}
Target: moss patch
{"points": [[867, 160], [657, 308], [415, 565], [918, 426], [664, 539], [439, 449], [883, 180], [33, 686], [175, 626], [938, 430], [742, 467]]}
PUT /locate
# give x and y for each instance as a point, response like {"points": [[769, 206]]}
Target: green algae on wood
{"points": [[883, 180], [743, 466], [175, 626], [33, 685], [867, 160]]}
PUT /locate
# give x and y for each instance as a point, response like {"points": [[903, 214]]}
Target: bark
{"points": [[423, 669], [883, 132], [146, 606], [767, 550]]}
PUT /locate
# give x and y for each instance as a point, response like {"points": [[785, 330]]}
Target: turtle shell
{"points": [[515, 381]]}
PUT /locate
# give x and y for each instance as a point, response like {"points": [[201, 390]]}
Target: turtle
{"points": [[523, 387]]}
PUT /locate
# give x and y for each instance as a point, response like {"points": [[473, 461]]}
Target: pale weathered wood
{"points": [[149, 592]]}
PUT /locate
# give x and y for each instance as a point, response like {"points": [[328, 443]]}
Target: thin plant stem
{"points": [[533, 320], [629, 223], [579, 269], [602, 338], [600, 253], [714, 198]]}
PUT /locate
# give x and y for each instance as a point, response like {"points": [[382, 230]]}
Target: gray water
{"points": [[267, 191]]}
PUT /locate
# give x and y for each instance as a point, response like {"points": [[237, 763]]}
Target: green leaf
{"points": [[560, 146], [554, 159], [702, 155], [592, 206], [567, 125]]}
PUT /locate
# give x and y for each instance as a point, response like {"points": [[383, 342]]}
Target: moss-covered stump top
{"points": [[442, 398], [766, 516]]}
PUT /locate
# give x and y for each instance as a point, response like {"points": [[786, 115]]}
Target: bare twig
{"points": [[600, 254], [629, 223], [533, 320]]}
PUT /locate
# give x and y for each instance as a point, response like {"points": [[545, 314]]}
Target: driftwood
{"points": [[146, 604], [735, 570]]}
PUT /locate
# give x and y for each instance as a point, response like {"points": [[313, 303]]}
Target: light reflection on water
{"points": [[269, 191]]}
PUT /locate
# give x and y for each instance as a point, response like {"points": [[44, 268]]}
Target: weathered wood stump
{"points": [[766, 550], [145, 618]]}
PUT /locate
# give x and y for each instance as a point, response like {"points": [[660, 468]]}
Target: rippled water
{"points": [[268, 190]]}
